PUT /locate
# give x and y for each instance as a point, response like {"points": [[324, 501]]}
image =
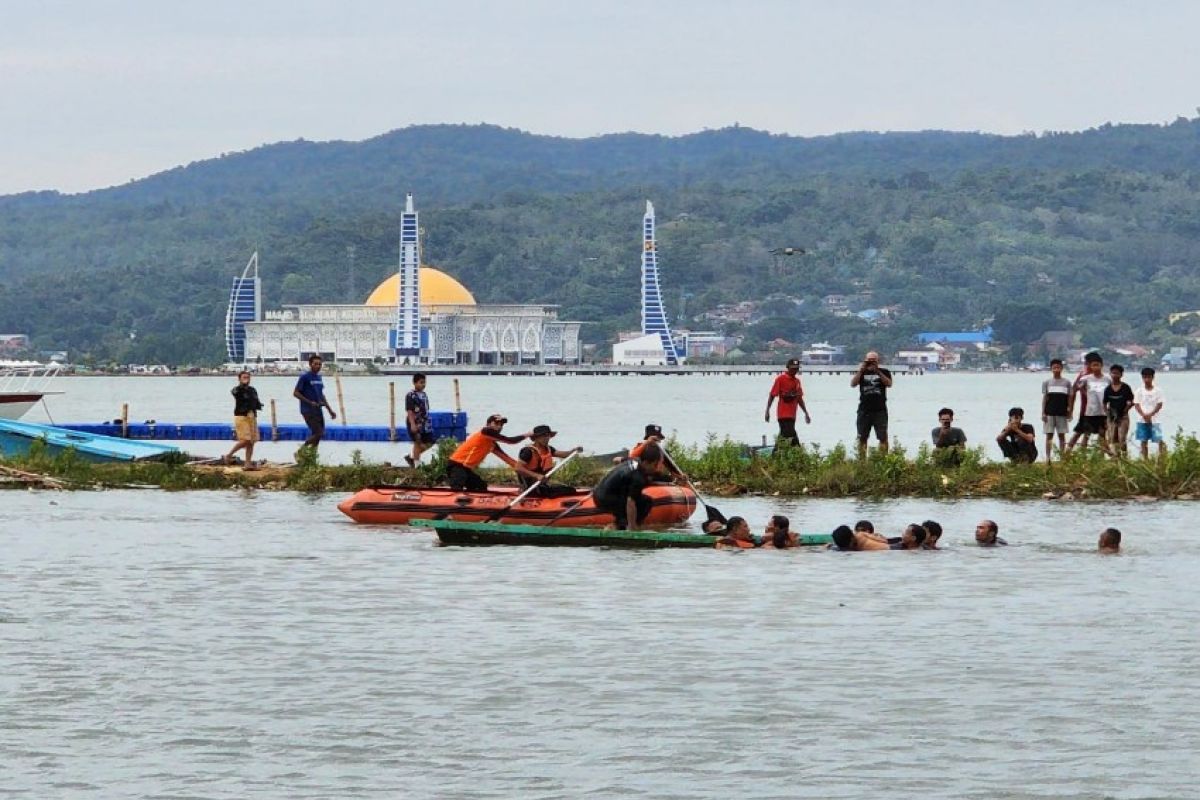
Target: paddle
{"points": [[714, 514], [498, 513]]}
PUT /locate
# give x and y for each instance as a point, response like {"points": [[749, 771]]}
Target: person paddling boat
{"points": [[654, 434], [538, 457], [460, 471]]}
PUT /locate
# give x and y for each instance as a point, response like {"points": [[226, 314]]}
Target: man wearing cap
{"points": [[790, 392], [460, 470], [666, 465], [538, 457]]}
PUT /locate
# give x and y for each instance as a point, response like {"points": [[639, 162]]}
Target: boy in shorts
{"points": [[1089, 388], [416, 412], [1148, 403], [1056, 402]]}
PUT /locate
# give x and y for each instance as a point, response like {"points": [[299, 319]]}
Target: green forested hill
{"points": [[1099, 230]]}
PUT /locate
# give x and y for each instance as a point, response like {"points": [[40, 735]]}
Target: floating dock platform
{"points": [[452, 424]]}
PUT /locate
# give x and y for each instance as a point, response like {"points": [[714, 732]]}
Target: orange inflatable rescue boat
{"points": [[396, 505]]}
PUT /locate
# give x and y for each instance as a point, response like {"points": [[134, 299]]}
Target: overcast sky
{"points": [[97, 93]]}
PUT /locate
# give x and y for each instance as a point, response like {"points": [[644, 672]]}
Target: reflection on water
{"points": [[234, 645]]}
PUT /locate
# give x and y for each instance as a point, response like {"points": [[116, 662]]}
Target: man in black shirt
{"points": [[1118, 399], [872, 381], [620, 491], [1016, 439]]}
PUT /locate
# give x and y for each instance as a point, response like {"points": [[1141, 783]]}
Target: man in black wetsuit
{"points": [[620, 491]]}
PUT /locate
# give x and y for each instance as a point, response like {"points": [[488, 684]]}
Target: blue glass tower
{"points": [[406, 338], [654, 316], [245, 305]]}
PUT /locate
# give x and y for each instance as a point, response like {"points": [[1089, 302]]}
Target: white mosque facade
{"points": [[448, 326]]}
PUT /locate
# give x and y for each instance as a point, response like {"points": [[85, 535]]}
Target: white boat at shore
{"points": [[23, 385]]}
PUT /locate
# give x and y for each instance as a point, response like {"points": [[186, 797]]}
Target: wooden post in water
{"points": [[274, 424], [391, 411], [457, 400], [337, 380], [124, 420]]}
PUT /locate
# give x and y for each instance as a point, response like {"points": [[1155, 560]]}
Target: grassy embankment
{"points": [[719, 468]]}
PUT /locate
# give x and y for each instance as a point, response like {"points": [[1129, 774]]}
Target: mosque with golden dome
{"points": [[445, 325]]}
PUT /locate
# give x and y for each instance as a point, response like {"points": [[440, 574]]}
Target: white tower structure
{"points": [[654, 316], [245, 305], [406, 339]]}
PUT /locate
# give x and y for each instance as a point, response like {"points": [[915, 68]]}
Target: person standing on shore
{"points": [[416, 411], [1118, 399], [872, 382], [246, 406], [788, 389], [310, 391], [1089, 388], [1148, 402], [1056, 402]]}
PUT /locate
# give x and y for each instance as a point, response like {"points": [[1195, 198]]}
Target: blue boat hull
{"points": [[17, 438]]}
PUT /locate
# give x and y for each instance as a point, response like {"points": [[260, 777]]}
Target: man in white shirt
{"points": [[1148, 403]]}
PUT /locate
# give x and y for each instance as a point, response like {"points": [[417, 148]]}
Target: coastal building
{"points": [[418, 315], [823, 354], [656, 346]]}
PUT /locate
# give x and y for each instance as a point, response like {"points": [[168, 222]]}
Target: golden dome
{"points": [[437, 289]]}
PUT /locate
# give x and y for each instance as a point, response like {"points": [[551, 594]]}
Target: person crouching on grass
{"points": [[246, 406]]}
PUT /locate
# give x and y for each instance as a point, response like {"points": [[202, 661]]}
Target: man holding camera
{"points": [[791, 397], [872, 381], [1017, 439]]}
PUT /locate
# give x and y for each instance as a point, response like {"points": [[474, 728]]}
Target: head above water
{"points": [[738, 528], [986, 532], [1110, 540], [933, 531], [913, 536], [865, 526], [843, 537]]}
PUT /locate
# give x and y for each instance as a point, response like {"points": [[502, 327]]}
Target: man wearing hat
{"points": [[667, 466], [460, 470], [538, 457], [790, 392]]}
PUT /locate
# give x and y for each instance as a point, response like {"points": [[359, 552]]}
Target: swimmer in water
{"points": [[913, 537], [987, 534], [737, 536], [933, 532], [1110, 541], [778, 535], [848, 540]]}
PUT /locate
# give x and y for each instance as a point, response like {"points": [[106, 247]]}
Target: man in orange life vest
{"points": [[667, 466], [460, 471], [539, 457]]}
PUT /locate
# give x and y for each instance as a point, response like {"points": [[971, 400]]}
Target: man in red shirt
{"points": [[791, 397]]}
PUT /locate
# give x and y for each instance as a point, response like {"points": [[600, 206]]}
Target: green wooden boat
{"points": [[491, 533]]}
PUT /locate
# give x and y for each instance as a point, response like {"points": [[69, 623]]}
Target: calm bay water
{"points": [[222, 645], [229, 645], [604, 413]]}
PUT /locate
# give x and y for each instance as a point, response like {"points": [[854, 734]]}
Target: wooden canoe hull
{"points": [[450, 532]]}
